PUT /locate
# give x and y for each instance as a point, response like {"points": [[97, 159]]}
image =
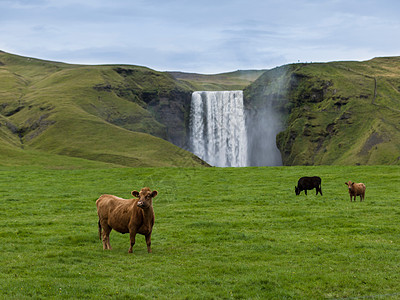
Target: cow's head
{"points": [[297, 190], [145, 197], [349, 184]]}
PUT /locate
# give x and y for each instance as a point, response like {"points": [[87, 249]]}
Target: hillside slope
{"points": [[231, 81], [58, 114], [103, 114], [344, 113]]}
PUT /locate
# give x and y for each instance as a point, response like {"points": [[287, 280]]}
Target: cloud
{"points": [[200, 36]]}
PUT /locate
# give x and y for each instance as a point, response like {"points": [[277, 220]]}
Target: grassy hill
{"points": [[335, 113], [57, 114], [237, 80], [52, 112]]}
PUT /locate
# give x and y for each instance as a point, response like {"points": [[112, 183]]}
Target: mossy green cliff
{"points": [[344, 113]]}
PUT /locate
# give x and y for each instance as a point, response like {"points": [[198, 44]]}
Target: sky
{"points": [[200, 36]]}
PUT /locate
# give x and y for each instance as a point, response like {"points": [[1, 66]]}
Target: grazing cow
{"points": [[356, 189], [126, 215], [308, 183]]}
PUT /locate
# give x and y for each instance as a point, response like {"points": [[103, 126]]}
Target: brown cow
{"points": [[356, 189], [126, 215]]}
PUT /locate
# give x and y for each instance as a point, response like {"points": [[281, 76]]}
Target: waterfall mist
{"points": [[263, 125], [217, 128]]}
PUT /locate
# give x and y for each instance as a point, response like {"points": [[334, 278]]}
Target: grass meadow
{"points": [[220, 233]]}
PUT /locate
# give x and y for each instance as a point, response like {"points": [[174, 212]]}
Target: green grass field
{"points": [[219, 233]]}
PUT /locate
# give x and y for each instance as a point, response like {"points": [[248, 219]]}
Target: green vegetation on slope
{"points": [[231, 81], [335, 113], [219, 233], [99, 113]]}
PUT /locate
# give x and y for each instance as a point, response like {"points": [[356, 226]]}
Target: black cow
{"points": [[308, 183]]}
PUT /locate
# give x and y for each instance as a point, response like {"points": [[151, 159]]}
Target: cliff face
{"points": [[172, 109], [165, 103], [334, 113]]}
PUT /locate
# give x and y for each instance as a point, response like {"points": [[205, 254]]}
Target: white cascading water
{"points": [[217, 128]]}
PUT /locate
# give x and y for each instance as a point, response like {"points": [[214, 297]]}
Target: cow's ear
{"points": [[135, 193], [154, 193]]}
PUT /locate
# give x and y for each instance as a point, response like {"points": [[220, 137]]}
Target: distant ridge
{"points": [[236, 80]]}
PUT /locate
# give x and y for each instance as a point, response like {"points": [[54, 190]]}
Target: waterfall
{"points": [[217, 128]]}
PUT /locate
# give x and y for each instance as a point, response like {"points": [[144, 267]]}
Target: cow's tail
{"points": [[99, 230]]}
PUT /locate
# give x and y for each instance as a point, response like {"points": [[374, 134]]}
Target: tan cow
{"points": [[126, 215], [356, 189]]}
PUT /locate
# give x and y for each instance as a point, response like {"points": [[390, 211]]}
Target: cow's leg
{"points": [[99, 230], [106, 237], [305, 191], [148, 242], [108, 240], [132, 235]]}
